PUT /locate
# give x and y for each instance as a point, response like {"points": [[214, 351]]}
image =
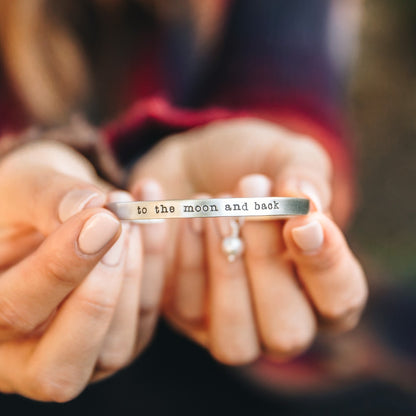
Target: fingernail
{"points": [[310, 191], [113, 256], [97, 232], [78, 199], [255, 186], [119, 196], [151, 190], [310, 237]]}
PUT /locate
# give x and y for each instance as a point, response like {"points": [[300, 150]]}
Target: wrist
{"points": [[51, 155], [79, 138]]}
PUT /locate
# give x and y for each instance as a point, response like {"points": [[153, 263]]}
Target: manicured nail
{"points": [[151, 191], [119, 196], [113, 256], [78, 199], [255, 186], [310, 191], [97, 232], [310, 237]]}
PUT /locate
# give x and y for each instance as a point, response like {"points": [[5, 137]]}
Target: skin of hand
{"points": [[70, 276], [295, 276]]}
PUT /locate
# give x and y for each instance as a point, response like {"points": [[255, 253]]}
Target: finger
{"points": [[58, 365], [187, 307], [189, 286], [196, 332], [232, 330], [64, 359], [117, 349], [307, 172], [34, 288], [277, 153], [154, 237], [327, 268], [43, 198], [190, 283], [286, 321], [16, 244]]}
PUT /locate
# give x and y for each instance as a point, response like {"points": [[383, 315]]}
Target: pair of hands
{"points": [[80, 293]]}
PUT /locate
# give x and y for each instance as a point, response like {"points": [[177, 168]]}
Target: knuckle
{"points": [[333, 311], [358, 299], [329, 259], [341, 309], [348, 301], [149, 311], [347, 324], [44, 192], [13, 321], [290, 342], [191, 315], [147, 328], [56, 272], [235, 355], [53, 389], [97, 309], [114, 359], [246, 128]]}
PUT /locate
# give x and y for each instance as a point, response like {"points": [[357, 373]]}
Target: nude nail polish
{"points": [[255, 186], [76, 200], [97, 232], [310, 237], [151, 190]]}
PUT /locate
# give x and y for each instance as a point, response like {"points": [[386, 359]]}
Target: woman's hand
{"points": [[70, 275], [294, 276]]}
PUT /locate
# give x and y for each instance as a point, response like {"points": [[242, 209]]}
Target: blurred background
{"points": [[382, 352], [383, 114]]}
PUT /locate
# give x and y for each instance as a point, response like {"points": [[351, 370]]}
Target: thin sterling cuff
{"points": [[260, 208]]}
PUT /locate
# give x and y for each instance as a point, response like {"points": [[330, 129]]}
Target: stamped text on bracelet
{"points": [[216, 207]]}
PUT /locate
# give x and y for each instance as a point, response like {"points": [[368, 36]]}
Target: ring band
{"points": [[264, 208]]}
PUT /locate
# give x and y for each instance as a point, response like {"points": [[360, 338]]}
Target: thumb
{"points": [[330, 273]]}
